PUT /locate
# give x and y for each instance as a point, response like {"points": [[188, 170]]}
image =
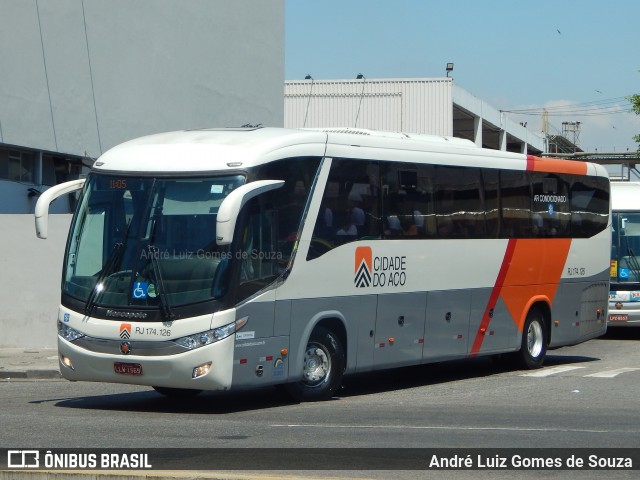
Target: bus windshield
{"points": [[625, 247], [147, 242]]}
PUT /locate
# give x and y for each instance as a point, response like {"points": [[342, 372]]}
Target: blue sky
{"points": [[581, 55]]}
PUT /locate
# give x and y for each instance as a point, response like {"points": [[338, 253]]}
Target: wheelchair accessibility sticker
{"points": [[140, 290]]}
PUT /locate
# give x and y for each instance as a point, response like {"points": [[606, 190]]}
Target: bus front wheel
{"points": [[324, 363], [534, 340]]}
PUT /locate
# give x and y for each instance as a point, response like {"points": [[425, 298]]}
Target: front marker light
{"points": [[211, 336], [68, 333], [201, 370], [66, 361]]}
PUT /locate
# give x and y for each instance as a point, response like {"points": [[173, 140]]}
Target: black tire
{"points": [[324, 364], [177, 392], [534, 341]]}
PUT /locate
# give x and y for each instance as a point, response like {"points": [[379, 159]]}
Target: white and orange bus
{"points": [[221, 259]]}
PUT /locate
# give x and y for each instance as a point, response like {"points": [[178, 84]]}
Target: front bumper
{"points": [[626, 314], [173, 371]]}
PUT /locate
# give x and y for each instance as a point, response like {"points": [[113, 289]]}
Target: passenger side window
{"points": [[458, 205], [407, 202], [350, 208], [551, 214], [260, 261], [515, 198], [289, 201], [491, 182], [589, 206]]}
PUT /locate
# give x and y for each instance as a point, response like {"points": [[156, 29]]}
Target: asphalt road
{"points": [[585, 396]]}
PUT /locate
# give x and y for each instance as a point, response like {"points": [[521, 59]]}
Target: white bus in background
{"points": [[234, 258], [624, 298]]}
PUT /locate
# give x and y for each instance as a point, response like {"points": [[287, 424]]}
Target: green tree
{"points": [[635, 105]]}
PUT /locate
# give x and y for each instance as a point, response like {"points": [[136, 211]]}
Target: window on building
{"points": [[18, 166]]}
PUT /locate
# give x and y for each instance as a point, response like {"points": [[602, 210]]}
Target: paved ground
{"points": [[28, 363]]}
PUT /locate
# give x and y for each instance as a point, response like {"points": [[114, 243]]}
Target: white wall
{"points": [[14, 198], [82, 76], [30, 275]]}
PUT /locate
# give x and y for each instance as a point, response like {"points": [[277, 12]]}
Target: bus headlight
{"points": [[201, 339], [68, 333]]}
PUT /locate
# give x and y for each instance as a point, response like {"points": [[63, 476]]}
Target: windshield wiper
{"points": [[114, 256], [165, 305]]}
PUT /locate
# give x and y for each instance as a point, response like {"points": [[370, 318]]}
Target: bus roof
{"points": [[204, 150], [209, 150]]}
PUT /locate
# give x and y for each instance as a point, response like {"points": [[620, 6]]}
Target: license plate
{"points": [[127, 368], [618, 317]]}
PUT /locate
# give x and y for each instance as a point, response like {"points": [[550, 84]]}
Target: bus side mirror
{"points": [[233, 203], [41, 211]]}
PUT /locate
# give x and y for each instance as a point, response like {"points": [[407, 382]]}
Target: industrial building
{"points": [[434, 106]]}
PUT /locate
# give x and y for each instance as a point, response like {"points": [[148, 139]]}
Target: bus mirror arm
{"points": [[41, 211], [233, 203]]}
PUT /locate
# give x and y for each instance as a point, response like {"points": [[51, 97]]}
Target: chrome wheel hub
{"points": [[534, 339], [317, 364]]}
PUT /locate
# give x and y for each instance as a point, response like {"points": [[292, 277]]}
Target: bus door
{"points": [[447, 324], [399, 333]]}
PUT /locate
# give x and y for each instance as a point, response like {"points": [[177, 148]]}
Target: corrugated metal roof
{"points": [[410, 105], [433, 106]]}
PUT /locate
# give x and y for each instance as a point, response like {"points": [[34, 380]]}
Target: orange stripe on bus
{"points": [[555, 165], [495, 293], [530, 271], [535, 270]]}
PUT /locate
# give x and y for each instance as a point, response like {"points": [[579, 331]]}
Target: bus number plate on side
{"points": [[127, 368], [618, 317]]}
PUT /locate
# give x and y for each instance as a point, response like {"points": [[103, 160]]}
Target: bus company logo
{"points": [[379, 271], [363, 267], [125, 331]]}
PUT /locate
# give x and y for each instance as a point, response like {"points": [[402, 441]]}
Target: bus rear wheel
{"points": [[324, 363], [534, 340]]}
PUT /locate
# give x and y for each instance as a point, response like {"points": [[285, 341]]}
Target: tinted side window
{"points": [[259, 255], [589, 206], [289, 201], [515, 198], [491, 182], [407, 202], [350, 208], [458, 204], [551, 214]]}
